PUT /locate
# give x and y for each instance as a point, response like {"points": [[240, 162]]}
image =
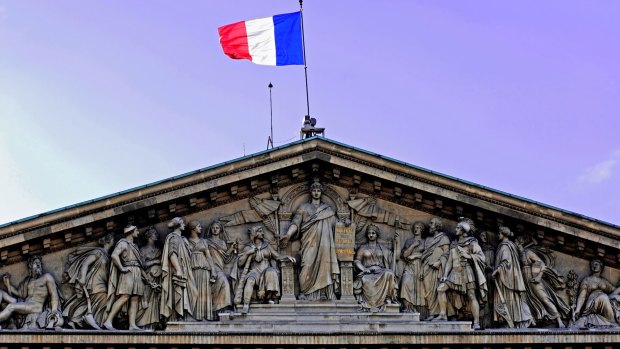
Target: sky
{"points": [[99, 96]]}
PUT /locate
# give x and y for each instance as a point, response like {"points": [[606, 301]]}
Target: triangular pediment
{"points": [[360, 172], [362, 189]]}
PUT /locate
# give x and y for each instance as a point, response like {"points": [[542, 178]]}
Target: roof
{"points": [[288, 145]]}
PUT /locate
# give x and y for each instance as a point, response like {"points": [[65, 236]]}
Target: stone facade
{"points": [[311, 239]]}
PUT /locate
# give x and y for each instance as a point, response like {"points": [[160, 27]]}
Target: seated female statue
{"points": [[376, 284]]}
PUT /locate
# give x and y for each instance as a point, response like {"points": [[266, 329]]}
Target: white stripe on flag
{"points": [[261, 40]]}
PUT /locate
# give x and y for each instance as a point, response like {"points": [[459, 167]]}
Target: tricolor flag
{"points": [[269, 41]]}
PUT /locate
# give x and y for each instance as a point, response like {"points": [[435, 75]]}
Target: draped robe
{"points": [[318, 251]]}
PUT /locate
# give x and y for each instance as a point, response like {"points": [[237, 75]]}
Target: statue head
{"points": [[470, 222], [177, 223], [597, 265], [436, 224], [316, 189], [505, 231], [483, 236], [216, 229], [35, 266], [106, 241], [372, 232], [195, 227], [130, 230], [151, 234], [463, 228], [520, 241], [418, 228], [256, 232]]}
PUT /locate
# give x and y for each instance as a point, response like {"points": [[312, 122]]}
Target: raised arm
{"points": [[6, 278]]}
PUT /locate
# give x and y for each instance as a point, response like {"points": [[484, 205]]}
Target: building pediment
{"points": [[360, 172], [265, 207]]}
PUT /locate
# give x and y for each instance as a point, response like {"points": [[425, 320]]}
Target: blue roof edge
{"points": [[295, 143]]}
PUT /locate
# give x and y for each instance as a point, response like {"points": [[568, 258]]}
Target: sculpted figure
{"points": [[434, 259], [509, 296], [125, 283], [258, 260], [86, 271], [223, 252], [201, 268], [486, 312], [598, 302], [315, 221], [411, 282], [148, 313], [375, 285], [178, 288], [464, 275], [542, 284], [36, 298]]}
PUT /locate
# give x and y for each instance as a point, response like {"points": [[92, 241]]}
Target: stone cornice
{"points": [[446, 340]]}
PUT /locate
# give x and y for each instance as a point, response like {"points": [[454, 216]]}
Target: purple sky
{"points": [[102, 96]]}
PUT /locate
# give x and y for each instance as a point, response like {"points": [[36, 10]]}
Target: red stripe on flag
{"points": [[234, 40]]}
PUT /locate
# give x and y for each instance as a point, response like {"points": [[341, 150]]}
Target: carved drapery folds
{"points": [[312, 247]]}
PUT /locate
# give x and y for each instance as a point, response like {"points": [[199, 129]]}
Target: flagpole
{"points": [[303, 43], [270, 141]]}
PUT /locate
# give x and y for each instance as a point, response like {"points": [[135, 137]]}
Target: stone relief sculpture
{"points": [[179, 293], [598, 302], [375, 284], [434, 259], [35, 301], [412, 282], [260, 272], [367, 211], [148, 312], [542, 285], [202, 264], [125, 283], [486, 312], [463, 275], [86, 271], [223, 252], [206, 274], [314, 223], [509, 297]]}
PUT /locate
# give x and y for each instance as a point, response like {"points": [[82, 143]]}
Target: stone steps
{"points": [[318, 317]]}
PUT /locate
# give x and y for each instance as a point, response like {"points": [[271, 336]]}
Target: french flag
{"points": [[268, 41]]}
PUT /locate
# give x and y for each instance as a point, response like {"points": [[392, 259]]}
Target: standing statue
{"points": [[125, 283], [201, 268], [223, 252], [86, 271], [258, 259], [315, 222], [178, 288], [464, 275], [148, 313], [486, 312], [434, 259], [411, 282], [542, 285], [509, 296], [375, 285], [36, 298], [598, 302]]}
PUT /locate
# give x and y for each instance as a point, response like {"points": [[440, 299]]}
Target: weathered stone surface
{"points": [[361, 290]]}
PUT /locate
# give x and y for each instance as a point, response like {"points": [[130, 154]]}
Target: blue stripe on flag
{"points": [[287, 31]]}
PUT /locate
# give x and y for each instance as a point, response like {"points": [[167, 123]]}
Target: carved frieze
{"points": [[284, 243]]}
